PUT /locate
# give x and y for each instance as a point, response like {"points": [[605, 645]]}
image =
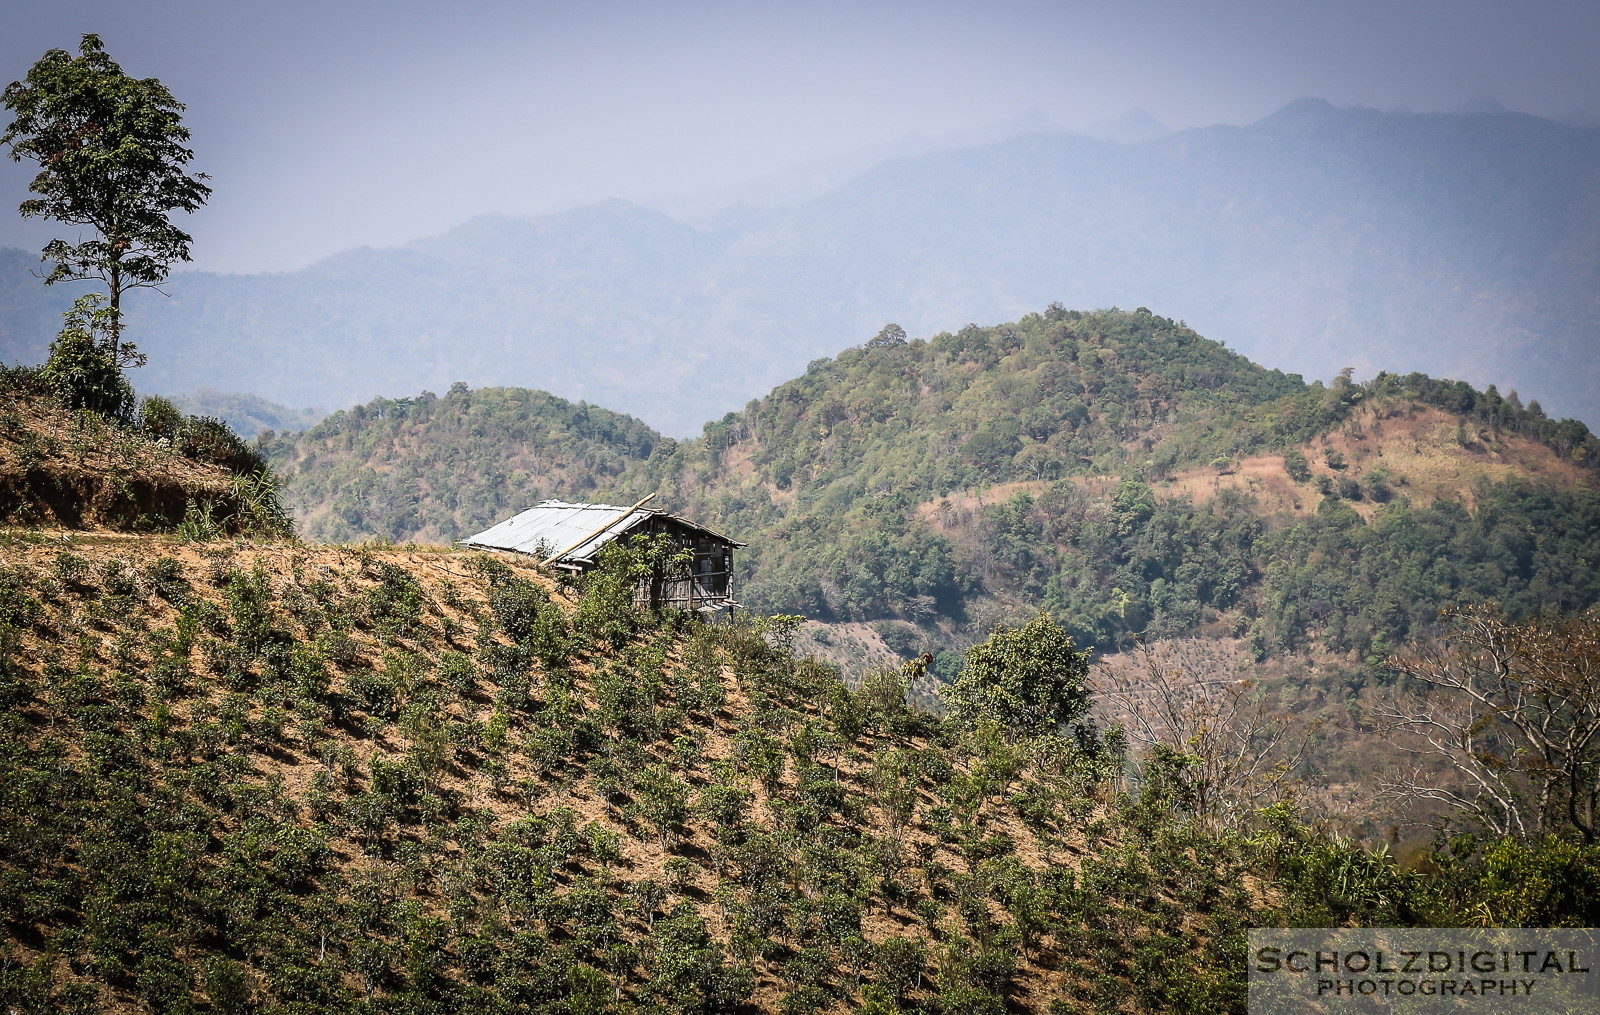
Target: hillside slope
{"points": [[290, 777], [1115, 468], [373, 777], [162, 471], [1315, 239], [270, 775]]}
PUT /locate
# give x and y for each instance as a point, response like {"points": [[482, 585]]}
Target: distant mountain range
{"points": [[1319, 238]]}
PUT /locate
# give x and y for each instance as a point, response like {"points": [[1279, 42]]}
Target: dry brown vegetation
{"points": [[75, 470], [1425, 454]]}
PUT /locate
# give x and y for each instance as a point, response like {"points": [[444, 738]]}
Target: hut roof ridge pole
{"points": [[557, 556]]}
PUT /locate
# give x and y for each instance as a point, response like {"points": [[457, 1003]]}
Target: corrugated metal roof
{"points": [[554, 525]]}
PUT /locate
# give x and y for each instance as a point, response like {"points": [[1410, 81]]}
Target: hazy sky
{"points": [[331, 125]]}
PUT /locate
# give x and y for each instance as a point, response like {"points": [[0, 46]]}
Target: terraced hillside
{"points": [[289, 777], [386, 777]]}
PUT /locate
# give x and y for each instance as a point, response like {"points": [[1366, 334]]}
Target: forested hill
{"points": [[1115, 467], [1135, 478], [914, 418], [435, 469]]}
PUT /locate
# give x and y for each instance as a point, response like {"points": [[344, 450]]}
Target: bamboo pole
{"points": [[557, 556]]}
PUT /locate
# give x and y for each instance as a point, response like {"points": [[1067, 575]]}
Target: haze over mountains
{"points": [[1464, 245]]}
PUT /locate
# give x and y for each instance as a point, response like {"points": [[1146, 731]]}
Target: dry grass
{"points": [[37, 434], [853, 647], [73, 469], [1419, 449]]}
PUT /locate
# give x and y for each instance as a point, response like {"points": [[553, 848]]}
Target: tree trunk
{"points": [[116, 309]]}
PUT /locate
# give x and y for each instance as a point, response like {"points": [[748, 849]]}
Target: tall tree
{"points": [[112, 156]]}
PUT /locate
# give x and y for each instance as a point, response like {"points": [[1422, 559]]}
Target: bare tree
{"points": [[1186, 699], [1505, 727]]}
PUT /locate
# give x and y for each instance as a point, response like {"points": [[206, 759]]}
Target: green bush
{"points": [[159, 418], [227, 985], [83, 374], [165, 983], [1542, 883], [1028, 680], [208, 440], [23, 381], [1295, 464], [396, 602], [688, 971]]}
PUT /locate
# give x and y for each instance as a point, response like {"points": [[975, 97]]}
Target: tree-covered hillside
{"points": [[435, 468], [832, 466], [848, 474], [1115, 468], [244, 772]]}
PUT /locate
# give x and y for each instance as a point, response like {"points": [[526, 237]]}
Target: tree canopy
{"points": [[112, 156], [1029, 680]]}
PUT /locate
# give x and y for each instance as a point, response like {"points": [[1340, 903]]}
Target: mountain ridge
{"points": [[1317, 238]]}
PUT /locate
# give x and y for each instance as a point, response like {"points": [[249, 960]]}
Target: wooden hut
{"points": [[570, 537]]}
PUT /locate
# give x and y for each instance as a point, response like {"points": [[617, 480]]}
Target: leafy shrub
{"points": [[883, 692], [164, 983], [375, 692], [82, 372], [165, 577], [518, 605], [22, 381], [1549, 882], [252, 610], [159, 418], [71, 569], [208, 440], [529, 618], [457, 672], [947, 666], [1377, 486], [396, 602], [119, 579], [688, 973], [1295, 464], [1028, 680], [256, 508]]}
